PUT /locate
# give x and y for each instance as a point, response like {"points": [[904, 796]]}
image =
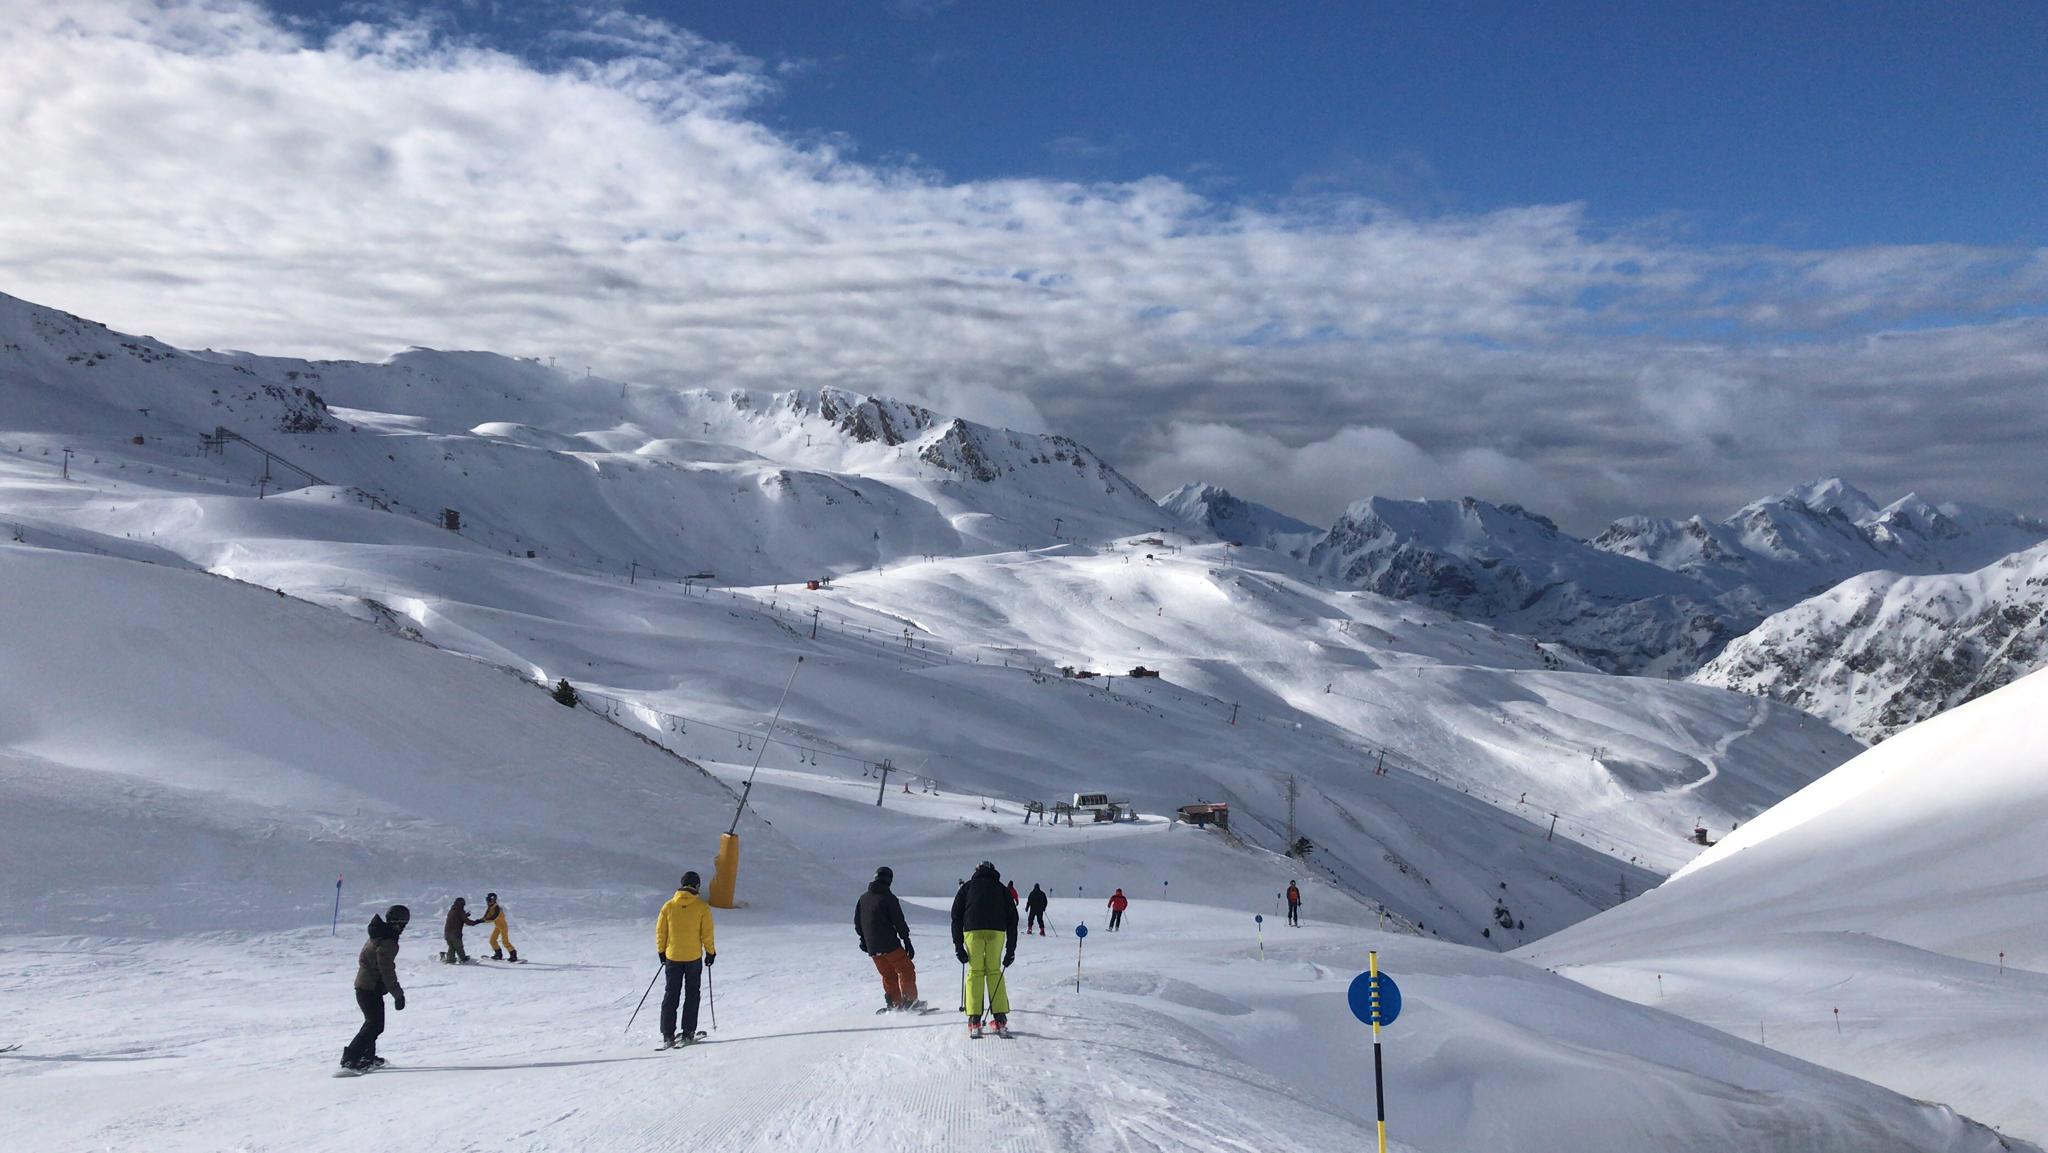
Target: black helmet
{"points": [[692, 881], [491, 897], [398, 916], [885, 874]]}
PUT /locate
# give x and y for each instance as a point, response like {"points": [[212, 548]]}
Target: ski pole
{"points": [[711, 993], [643, 997], [963, 986]]}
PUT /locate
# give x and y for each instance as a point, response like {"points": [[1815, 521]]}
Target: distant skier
{"points": [[985, 940], [1117, 904], [1035, 905], [451, 931], [1293, 904], [501, 938], [683, 935], [1013, 892], [885, 938], [376, 975]]}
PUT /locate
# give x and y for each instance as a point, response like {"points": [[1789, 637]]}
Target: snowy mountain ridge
{"points": [[752, 486], [1883, 650], [1646, 595]]}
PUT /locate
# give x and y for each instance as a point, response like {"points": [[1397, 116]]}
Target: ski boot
{"points": [[514, 958], [497, 954], [1002, 1027], [974, 1028]]}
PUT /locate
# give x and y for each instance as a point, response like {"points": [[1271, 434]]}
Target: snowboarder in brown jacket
{"points": [[451, 931], [376, 975]]}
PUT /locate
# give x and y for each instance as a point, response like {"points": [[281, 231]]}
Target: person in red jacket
{"points": [[1013, 893], [1293, 904], [1117, 904]]}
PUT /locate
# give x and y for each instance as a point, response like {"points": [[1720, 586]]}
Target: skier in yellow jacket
{"points": [[501, 938], [683, 934]]}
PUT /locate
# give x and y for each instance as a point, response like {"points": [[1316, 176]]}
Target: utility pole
{"points": [[814, 622], [67, 464], [887, 768], [632, 572], [1233, 714], [1056, 527], [1553, 827]]}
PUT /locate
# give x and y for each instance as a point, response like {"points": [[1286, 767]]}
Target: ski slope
{"points": [[1903, 889]]}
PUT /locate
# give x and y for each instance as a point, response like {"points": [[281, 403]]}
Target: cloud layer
{"points": [[206, 173]]}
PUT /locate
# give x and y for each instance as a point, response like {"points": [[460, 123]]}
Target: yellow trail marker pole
{"points": [[1379, 1083]]}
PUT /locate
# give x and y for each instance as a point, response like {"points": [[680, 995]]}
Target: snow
{"points": [[1903, 889], [1882, 651], [218, 703]]}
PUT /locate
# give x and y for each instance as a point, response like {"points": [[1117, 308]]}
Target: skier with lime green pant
{"points": [[985, 940]]}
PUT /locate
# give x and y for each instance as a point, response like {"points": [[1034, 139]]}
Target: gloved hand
{"points": [[863, 944], [661, 956], [710, 959], [1009, 958], [960, 953], [398, 1001], [909, 951]]}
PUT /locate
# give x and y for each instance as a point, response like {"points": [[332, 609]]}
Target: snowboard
{"points": [[922, 1011], [347, 1072]]}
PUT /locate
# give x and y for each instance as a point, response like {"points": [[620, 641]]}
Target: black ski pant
{"points": [[1116, 919], [364, 1046], [455, 949], [1294, 912], [683, 978], [1037, 918]]}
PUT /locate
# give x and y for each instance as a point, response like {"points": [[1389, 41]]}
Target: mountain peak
{"points": [[1834, 494]]}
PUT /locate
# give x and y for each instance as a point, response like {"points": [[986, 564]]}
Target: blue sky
{"points": [[1807, 123], [1597, 258]]}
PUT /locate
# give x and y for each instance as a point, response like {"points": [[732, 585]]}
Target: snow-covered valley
{"points": [[234, 675]]}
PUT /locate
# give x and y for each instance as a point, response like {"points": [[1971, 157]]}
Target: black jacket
{"points": [[984, 903], [1036, 901], [878, 918]]}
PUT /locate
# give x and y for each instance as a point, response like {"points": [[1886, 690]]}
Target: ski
{"points": [[8, 1048], [680, 1042]]}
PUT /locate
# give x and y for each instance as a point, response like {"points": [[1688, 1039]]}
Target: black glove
{"points": [[710, 959], [1009, 958], [960, 953], [398, 1001], [909, 951], [662, 957]]}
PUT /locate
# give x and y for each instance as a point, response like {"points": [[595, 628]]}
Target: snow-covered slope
{"points": [[1882, 651], [181, 752], [1213, 512], [1905, 889], [592, 473]]}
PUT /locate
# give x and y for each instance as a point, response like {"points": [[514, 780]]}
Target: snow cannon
{"points": [[725, 871]]}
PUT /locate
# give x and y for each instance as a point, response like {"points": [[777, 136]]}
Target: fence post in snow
{"points": [[334, 930]]}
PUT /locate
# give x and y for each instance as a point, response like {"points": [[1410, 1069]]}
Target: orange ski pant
{"points": [[899, 976]]}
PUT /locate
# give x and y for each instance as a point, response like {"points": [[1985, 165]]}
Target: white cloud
{"points": [[205, 173], [1317, 479]]}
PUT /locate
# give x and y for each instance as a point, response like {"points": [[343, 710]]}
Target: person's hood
{"points": [[1037, 889], [685, 898], [379, 931], [460, 903], [988, 871], [878, 885]]}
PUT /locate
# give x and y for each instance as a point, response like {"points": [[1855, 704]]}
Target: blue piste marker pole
{"points": [[1375, 1000], [1080, 937], [335, 929], [1259, 919]]}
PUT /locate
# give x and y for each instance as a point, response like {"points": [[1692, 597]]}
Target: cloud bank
{"points": [[213, 175]]}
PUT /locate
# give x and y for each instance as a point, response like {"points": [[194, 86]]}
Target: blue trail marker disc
{"points": [[1361, 998], [1080, 930]]}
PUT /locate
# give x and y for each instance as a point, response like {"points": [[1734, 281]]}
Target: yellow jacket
{"points": [[683, 931]]}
